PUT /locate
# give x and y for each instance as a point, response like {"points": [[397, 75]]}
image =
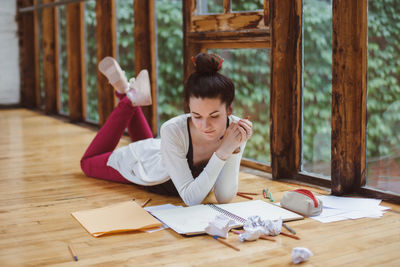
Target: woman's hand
{"points": [[247, 126], [235, 135]]}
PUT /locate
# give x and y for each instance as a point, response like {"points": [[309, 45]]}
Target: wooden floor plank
{"points": [[41, 184]]}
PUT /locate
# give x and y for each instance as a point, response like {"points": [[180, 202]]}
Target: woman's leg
{"points": [[96, 166], [138, 127], [94, 161]]}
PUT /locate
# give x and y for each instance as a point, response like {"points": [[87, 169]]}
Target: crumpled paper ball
{"points": [[255, 227], [220, 226], [300, 254]]}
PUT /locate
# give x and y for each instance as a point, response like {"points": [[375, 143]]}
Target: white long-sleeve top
{"points": [[154, 161]]}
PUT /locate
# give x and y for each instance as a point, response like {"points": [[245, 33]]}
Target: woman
{"points": [[197, 151]]}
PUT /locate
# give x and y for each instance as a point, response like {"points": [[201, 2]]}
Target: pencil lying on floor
{"points": [[73, 253], [241, 195], [145, 203], [289, 235], [245, 193], [288, 228], [267, 237], [225, 243]]}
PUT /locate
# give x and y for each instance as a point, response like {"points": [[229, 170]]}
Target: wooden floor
{"points": [[41, 184]]}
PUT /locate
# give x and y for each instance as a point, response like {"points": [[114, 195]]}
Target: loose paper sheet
{"points": [[344, 208]]}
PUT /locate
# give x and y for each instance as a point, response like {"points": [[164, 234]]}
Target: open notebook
{"points": [[116, 218], [194, 219]]}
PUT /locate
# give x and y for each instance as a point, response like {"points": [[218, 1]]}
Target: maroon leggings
{"points": [[94, 161]]}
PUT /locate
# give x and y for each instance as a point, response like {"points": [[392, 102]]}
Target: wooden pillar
{"points": [[28, 43], [106, 46], [190, 47], [227, 6], [349, 88], [76, 61], [145, 52], [286, 81], [50, 59]]}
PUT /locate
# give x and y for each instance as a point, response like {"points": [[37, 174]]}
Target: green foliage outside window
{"points": [[383, 117], [317, 88], [91, 61], [170, 59], [63, 73]]}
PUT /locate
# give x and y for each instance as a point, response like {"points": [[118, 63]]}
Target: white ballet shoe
{"points": [[139, 89], [115, 75]]}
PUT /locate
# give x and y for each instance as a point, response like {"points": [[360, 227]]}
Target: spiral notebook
{"points": [[194, 219]]}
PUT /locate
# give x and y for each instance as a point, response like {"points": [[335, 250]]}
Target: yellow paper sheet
{"points": [[120, 217]]}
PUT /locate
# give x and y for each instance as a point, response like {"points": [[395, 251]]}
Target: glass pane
{"points": [[91, 61], [125, 44], [383, 103], [252, 95], [317, 90], [209, 7], [63, 65], [248, 5], [40, 39], [170, 59]]}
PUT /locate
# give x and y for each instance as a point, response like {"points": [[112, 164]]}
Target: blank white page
{"points": [[188, 220]]}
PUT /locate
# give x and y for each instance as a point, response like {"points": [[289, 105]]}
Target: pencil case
{"points": [[302, 201]]}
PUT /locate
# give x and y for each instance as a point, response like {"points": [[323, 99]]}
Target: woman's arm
{"points": [[192, 191], [226, 185]]}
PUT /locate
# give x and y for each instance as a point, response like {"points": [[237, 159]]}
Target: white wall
{"points": [[9, 54]]}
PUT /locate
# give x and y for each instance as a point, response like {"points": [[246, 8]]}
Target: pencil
{"points": [[145, 203], [270, 238], [71, 249], [288, 228], [245, 193], [265, 193], [289, 235], [239, 194], [226, 243]]}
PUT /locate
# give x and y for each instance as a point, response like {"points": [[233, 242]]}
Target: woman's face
{"points": [[209, 116]]}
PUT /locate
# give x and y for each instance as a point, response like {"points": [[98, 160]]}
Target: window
{"points": [[91, 61], [317, 86], [170, 59], [252, 82], [383, 103], [125, 44], [63, 64]]}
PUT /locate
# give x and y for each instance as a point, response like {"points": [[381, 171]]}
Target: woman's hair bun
{"points": [[207, 63]]}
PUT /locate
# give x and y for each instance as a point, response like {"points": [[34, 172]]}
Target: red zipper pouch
{"points": [[302, 201]]}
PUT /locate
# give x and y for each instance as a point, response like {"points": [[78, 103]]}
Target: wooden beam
{"points": [[349, 92], [286, 67], [255, 165], [106, 46], [266, 12], [233, 37], [190, 46], [76, 61], [238, 45], [228, 22], [50, 59], [145, 52], [28, 43]]}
